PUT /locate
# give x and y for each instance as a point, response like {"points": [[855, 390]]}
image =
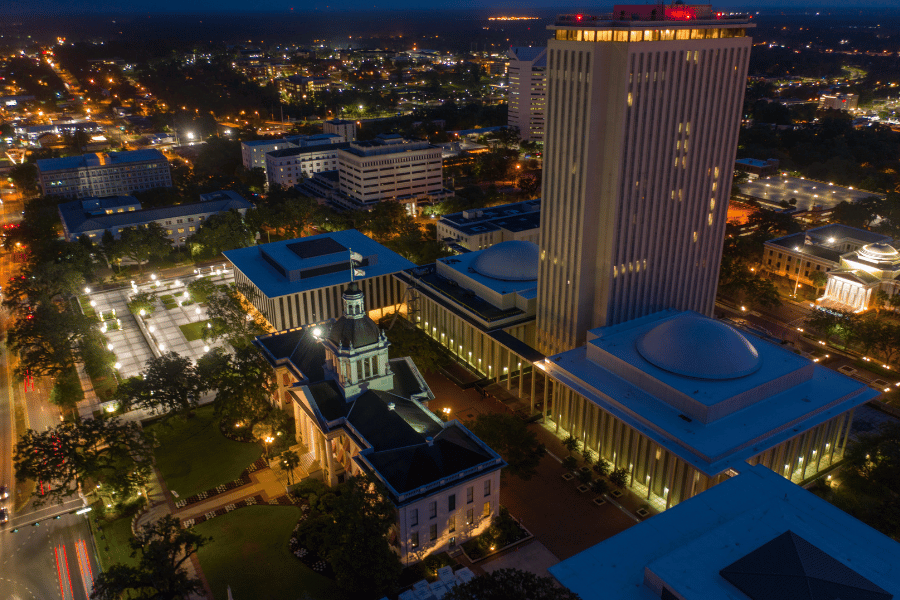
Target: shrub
{"points": [[569, 463], [619, 477], [600, 486], [571, 443], [584, 476], [603, 466], [142, 300]]}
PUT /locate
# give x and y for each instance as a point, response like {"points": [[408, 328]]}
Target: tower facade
{"points": [[528, 91], [643, 112]]}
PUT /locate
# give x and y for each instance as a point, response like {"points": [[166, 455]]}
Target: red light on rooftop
{"points": [[578, 17]]}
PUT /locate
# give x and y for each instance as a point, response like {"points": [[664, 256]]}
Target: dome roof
{"points": [[354, 329], [357, 333], [514, 260], [699, 347], [879, 253]]}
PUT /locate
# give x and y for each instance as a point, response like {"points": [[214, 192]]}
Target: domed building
{"points": [[481, 306], [681, 402], [860, 275], [359, 412]]}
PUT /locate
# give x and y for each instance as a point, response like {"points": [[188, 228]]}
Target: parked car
{"points": [[4, 515], [4, 492]]}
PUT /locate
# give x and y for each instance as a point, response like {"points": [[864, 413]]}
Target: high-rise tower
{"points": [[643, 112], [528, 91]]}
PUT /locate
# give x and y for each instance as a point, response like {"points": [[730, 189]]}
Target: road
{"points": [[55, 558]]}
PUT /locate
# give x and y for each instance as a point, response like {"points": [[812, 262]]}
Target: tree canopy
{"points": [[72, 452], [510, 437], [171, 385], [162, 548]]}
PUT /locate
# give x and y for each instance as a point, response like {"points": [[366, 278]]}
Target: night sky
{"points": [[57, 7]]}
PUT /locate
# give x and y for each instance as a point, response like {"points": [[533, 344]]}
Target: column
{"points": [[329, 460]]}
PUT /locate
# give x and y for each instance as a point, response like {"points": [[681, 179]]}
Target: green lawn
{"points": [[86, 307], [168, 301], [250, 553], [194, 456], [112, 542], [193, 331]]}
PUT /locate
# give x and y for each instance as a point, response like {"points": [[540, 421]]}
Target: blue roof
{"points": [[686, 547], [727, 421], [77, 221], [85, 160], [257, 263]]}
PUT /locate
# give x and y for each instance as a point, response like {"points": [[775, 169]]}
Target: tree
{"points": [[406, 340], [232, 318], [45, 338], [512, 439], [142, 243], [357, 547], [510, 584], [162, 549], [244, 381], [880, 300], [142, 301], [171, 384], [220, 232], [67, 391], [819, 279], [24, 177], [873, 472], [74, 451], [289, 460]]}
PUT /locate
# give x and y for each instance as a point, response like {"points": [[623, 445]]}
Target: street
{"points": [[54, 559]]}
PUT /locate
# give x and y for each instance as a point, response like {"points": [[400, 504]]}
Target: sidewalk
{"points": [[91, 402]]}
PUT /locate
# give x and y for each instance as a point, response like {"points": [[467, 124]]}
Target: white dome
{"points": [[699, 347], [515, 260], [879, 253]]}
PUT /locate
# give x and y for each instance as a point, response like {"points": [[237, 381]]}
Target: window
{"points": [[432, 533], [414, 516], [470, 516], [414, 539], [487, 487], [181, 230], [451, 502], [470, 494], [451, 524], [487, 509], [432, 510]]}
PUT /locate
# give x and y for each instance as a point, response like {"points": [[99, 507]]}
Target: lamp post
{"points": [[268, 440]]}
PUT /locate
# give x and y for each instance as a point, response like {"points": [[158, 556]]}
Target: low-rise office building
{"points": [[682, 402], [104, 174], [294, 283], [358, 412], [839, 101], [481, 228], [92, 217], [755, 536]]}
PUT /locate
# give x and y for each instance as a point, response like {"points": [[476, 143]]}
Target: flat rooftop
{"points": [[517, 216], [742, 419], [674, 15], [808, 193], [97, 160], [289, 266], [690, 547]]}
